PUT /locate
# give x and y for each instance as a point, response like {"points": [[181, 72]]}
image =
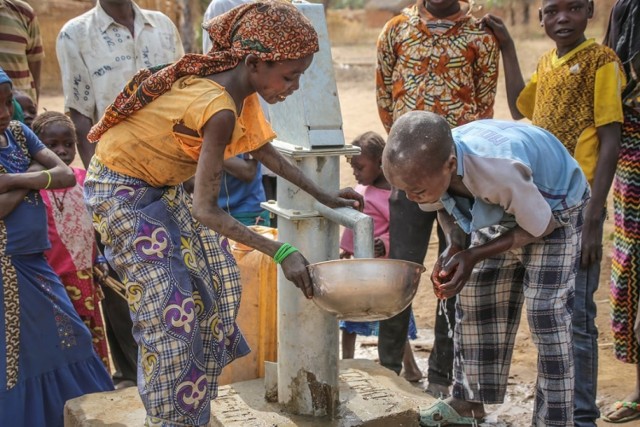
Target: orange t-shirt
{"points": [[145, 146]]}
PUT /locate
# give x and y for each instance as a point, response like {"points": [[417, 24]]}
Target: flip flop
{"points": [[442, 414], [619, 405]]}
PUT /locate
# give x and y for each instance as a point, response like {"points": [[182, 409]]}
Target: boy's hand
{"points": [[346, 198], [378, 248], [345, 255], [438, 277], [295, 270], [454, 274], [498, 28], [591, 240]]}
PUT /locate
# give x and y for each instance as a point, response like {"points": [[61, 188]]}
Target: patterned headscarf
{"points": [[18, 114], [271, 30]]}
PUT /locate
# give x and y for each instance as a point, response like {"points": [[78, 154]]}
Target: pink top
{"points": [[376, 205], [71, 231]]}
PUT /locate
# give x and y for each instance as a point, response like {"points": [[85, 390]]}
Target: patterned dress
{"points": [[72, 254], [183, 288], [46, 355], [623, 35], [625, 266]]}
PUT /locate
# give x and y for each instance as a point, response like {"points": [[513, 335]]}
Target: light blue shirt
{"points": [[518, 174]]}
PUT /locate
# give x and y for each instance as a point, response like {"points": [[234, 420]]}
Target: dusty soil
{"points": [[354, 68]]}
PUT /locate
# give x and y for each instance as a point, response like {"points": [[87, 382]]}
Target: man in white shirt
{"points": [[98, 53], [101, 50]]}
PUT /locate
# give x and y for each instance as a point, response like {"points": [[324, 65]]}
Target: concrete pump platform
{"points": [[370, 396]]}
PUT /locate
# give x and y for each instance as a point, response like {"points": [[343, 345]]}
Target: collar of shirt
{"points": [[470, 214], [105, 20], [555, 61], [419, 10]]}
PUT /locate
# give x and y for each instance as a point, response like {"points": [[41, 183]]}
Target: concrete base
{"points": [[370, 396]]}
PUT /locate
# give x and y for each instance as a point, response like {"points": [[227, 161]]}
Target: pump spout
{"points": [[361, 224]]}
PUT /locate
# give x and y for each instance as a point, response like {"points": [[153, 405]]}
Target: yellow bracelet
{"points": [[49, 179]]}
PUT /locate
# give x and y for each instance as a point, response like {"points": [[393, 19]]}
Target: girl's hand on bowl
{"points": [[295, 270]]}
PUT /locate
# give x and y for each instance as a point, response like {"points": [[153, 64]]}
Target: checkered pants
{"points": [[542, 275]]}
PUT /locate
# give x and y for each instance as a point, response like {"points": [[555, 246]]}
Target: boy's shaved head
{"points": [[418, 141], [419, 158]]}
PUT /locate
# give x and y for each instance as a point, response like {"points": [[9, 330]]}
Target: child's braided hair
{"points": [[371, 143], [51, 117]]}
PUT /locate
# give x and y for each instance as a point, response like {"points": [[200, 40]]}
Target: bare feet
{"points": [[438, 391], [623, 412], [412, 372], [467, 409], [412, 377]]}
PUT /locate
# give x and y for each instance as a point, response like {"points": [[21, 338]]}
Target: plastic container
{"points": [[257, 316]]}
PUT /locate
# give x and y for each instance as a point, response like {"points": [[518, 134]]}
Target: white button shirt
{"points": [[98, 56]]}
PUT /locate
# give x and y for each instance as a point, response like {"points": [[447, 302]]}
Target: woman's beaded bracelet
{"points": [[283, 252]]}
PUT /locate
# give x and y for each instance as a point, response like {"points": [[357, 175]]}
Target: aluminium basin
{"points": [[365, 289]]}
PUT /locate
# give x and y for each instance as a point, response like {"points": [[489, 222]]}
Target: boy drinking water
{"points": [[435, 57], [575, 94], [520, 196]]}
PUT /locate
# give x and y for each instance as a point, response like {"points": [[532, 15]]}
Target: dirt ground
{"points": [[354, 68]]}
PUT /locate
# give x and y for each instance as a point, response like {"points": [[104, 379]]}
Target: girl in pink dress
{"points": [[373, 185], [73, 252]]}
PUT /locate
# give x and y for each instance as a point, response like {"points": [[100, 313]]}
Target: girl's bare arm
{"points": [[11, 199], [217, 134], [55, 175], [276, 162]]}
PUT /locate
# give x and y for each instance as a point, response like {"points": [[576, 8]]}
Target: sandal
{"points": [[619, 405], [442, 414]]}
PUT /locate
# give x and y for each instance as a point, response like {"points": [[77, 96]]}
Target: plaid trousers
{"points": [[542, 275]]}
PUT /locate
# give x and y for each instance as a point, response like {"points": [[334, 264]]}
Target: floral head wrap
{"points": [[271, 30]]}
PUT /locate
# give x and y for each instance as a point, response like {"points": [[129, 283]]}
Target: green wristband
{"points": [[283, 252]]}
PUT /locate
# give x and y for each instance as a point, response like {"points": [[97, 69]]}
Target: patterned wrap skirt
{"points": [[183, 289], [625, 266]]}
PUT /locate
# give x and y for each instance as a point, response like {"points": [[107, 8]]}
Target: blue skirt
{"points": [[46, 353], [367, 329]]}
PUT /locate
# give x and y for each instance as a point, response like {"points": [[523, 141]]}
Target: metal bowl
{"points": [[365, 289]]}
